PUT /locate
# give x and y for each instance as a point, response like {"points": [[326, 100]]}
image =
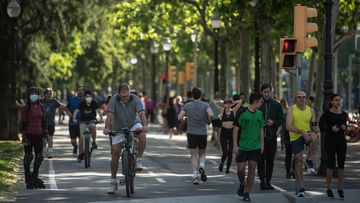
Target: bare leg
{"points": [[340, 173], [194, 159], [115, 156], [312, 147], [142, 144], [93, 134], [241, 172], [298, 170], [251, 175], [329, 173]]}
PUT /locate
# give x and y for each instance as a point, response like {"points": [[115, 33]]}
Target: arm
{"points": [[181, 115], [108, 123], [74, 115], [143, 121], [238, 105], [100, 114], [262, 139], [210, 114], [235, 138], [314, 125]]}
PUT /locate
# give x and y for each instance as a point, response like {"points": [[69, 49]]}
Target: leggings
{"points": [[288, 156], [226, 141], [335, 145], [36, 145]]}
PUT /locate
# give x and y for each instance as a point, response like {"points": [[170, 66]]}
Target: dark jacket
{"points": [[271, 109]]}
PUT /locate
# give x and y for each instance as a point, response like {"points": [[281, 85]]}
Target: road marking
{"points": [[160, 180], [52, 181]]}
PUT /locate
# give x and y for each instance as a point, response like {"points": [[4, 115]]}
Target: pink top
{"points": [[32, 119]]}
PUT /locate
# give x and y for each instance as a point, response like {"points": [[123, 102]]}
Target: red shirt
{"points": [[32, 119]]}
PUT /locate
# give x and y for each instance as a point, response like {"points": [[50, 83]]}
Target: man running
{"points": [[249, 124], [198, 115]]}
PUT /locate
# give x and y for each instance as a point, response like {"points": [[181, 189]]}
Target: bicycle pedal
{"points": [[122, 182]]}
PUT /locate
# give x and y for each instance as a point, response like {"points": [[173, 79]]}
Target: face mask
{"points": [[34, 97], [88, 99]]}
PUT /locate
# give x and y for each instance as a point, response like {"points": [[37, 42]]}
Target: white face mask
{"points": [[88, 99], [34, 97]]}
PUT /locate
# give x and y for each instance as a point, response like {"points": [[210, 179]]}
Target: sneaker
{"points": [[221, 166], [75, 152], [262, 185], [139, 166], [94, 146], [341, 194], [195, 180], [50, 153], [203, 176], [246, 197], [227, 171], [330, 193], [301, 193], [80, 157], [241, 189], [113, 188], [288, 176], [309, 166], [269, 186]]}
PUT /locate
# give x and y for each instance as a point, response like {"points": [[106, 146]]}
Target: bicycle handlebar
{"points": [[125, 131]]}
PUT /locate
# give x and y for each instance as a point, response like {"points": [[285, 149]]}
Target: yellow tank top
{"points": [[301, 120]]}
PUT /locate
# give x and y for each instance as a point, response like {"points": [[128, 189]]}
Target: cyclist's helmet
{"points": [[33, 90]]}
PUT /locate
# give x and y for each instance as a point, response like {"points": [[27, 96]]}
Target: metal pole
{"points": [[298, 72], [153, 74], [350, 80], [167, 88], [216, 69], [257, 65], [328, 86], [194, 79]]}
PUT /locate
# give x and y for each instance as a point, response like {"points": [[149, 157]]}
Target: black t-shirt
{"points": [[329, 119], [88, 113]]}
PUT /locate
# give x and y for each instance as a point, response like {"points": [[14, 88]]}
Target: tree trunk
{"points": [[243, 73], [311, 77], [265, 52], [223, 63]]}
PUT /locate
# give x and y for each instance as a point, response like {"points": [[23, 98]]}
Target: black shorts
{"points": [[74, 131], [216, 123], [244, 156], [335, 147], [51, 130], [197, 141]]}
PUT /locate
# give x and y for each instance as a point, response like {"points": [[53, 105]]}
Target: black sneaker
{"points": [[227, 171], [269, 187], [240, 191], [341, 194], [203, 176], [80, 157], [330, 193], [262, 185], [301, 193], [221, 166], [288, 176], [94, 146], [246, 197], [75, 152]]}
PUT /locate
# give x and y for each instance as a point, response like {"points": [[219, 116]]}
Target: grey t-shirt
{"points": [[50, 109], [197, 117], [125, 115]]}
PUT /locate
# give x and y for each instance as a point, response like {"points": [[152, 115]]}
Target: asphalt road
{"points": [[166, 176]]}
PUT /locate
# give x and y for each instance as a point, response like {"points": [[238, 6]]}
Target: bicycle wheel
{"points": [[126, 170], [87, 151], [132, 175]]}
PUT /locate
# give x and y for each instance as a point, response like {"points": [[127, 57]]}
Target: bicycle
{"points": [[87, 144], [128, 157]]}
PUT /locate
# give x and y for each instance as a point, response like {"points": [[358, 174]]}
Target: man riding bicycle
{"points": [[87, 110], [125, 110]]}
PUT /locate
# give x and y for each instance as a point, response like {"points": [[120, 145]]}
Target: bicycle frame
{"points": [[87, 142]]}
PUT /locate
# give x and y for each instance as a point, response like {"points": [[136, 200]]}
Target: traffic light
{"points": [[287, 53], [172, 73], [302, 27], [181, 77], [189, 70], [163, 78]]}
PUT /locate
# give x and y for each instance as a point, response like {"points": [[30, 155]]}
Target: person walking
{"points": [[50, 105], [125, 110], [304, 130], [34, 131], [216, 105], [274, 118], [226, 138], [333, 123], [198, 115], [249, 125]]}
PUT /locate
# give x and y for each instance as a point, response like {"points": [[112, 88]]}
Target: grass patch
{"points": [[10, 156]]}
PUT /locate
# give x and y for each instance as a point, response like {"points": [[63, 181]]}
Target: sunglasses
{"points": [[301, 97]]}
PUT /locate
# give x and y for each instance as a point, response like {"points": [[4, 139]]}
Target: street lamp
{"points": [[134, 61], [167, 47], [154, 49], [216, 24], [195, 38], [13, 9]]}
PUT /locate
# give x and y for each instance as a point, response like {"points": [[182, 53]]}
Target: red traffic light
{"points": [[163, 77], [289, 45]]}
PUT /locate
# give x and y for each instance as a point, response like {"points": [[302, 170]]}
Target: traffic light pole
{"points": [[298, 72]]}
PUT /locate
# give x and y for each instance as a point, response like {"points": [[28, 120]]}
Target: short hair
{"points": [[47, 90], [196, 92], [189, 94], [88, 92], [255, 97], [264, 86], [124, 86]]}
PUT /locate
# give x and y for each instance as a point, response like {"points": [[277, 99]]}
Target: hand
{"points": [[106, 131], [343, 127], [74, 120], [269, 122], [236, 150], [335, 129], [307, 137], [145, 129], [23, 136], [262, 149]]}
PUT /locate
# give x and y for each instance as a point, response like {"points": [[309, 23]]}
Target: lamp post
{"points": [[253, 4], [328, 83], [154, 49], [13, 10], [216, 24], [195, 38], [134, 61], [167, 47]]}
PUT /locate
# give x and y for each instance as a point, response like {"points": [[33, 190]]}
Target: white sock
{"points": [[202, 161], [195, 175]]}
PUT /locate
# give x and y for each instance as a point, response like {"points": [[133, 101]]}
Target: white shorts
{"points": [[120, 137]]}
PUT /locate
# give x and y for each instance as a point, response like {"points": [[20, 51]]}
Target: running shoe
{"points": [[195, 180], [113, 188], [301, 193], [203, 176], [75, 152], [246, 197], [330, 193], [309, 166], [341, 194], [94, 145], [50, 153], [139, 166], [241, 189]]}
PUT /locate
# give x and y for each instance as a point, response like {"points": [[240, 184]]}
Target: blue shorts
{"points": [[298, 145]]}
